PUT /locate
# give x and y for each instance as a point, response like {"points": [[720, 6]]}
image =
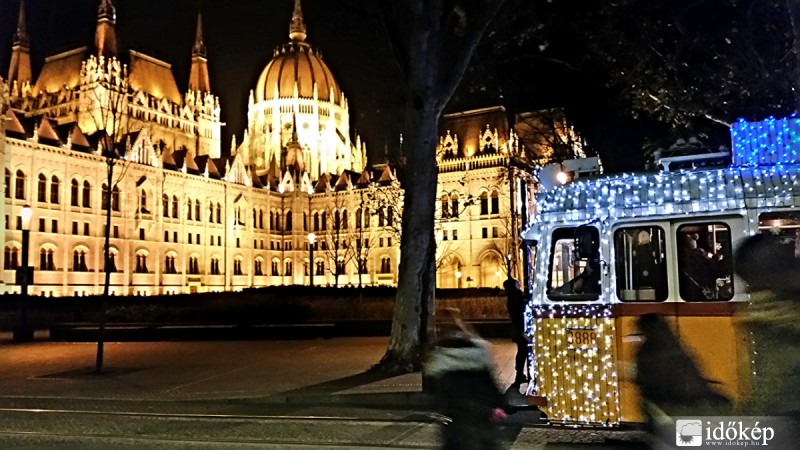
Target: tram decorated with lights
{"points": [[606, 250]]}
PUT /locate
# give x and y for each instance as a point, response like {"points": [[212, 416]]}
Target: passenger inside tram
{"points": [[700, 269], [586, 282]]}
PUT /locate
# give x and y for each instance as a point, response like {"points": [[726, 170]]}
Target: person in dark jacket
{"points": [[461, 368], [515, 303]]}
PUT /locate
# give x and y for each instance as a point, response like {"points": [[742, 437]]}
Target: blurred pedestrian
{"points": [[772, 321], [515, 303], [461, 368], [669, 381]]}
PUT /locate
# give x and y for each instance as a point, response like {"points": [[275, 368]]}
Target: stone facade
{"points": [[185, 218]]}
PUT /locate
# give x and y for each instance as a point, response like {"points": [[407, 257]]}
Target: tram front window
{"points": [[640, 263], [574, 264], [705, 265]]}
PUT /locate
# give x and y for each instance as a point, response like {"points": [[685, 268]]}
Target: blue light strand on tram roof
{"points": [[770, 141]]}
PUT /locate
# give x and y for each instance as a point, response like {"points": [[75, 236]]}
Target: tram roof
{"points": [[765, 174], [673, 193]]}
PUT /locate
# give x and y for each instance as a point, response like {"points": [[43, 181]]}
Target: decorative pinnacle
{"points": [[106, 11], [199, 49], [297, 28], [21, 37]]}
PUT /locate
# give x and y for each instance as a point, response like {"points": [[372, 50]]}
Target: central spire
{"points": [[199, 49], [297, 28], [21, 35], [105, 36]]}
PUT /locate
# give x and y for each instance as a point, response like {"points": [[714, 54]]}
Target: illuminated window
{"points": [[641, 264], [8, 183], [575, 271], [445, 207], [705, 266]]}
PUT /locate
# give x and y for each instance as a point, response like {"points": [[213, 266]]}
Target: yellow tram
{"points": [[606, 250]]}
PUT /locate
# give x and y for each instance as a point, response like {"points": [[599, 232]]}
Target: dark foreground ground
{"points": [[300, 393]]}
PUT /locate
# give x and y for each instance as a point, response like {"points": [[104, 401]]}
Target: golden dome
{"points": [[297, 63]]}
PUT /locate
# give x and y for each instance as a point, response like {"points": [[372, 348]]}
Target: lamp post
{"points": [[24, 332], [311, 238], [281, 228]]}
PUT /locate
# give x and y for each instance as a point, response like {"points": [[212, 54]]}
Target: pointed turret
{"points": [[20, 68], [297, 28], [198, 75], [105, 36]]}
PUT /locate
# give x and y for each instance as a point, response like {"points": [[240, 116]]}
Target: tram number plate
{"points": [[582, 337]]}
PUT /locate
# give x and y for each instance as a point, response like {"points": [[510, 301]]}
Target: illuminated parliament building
{"points": [[188, 216]]}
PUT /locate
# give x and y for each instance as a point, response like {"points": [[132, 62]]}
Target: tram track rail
{"points": [[152, 429]]}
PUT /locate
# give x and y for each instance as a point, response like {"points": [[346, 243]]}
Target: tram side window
{"points": [[705, 265], [640, 264], [784, 224], [574, 264]]}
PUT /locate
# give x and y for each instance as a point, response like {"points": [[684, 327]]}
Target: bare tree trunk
{"points": [[101, 329], [413, 319]]}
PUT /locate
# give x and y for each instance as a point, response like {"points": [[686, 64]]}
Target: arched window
{"points": [[337, 220], [164, 204], [55, 185], [210, 212], [320, 270], [324, 221], [275, 264], [79, 261], [445, 207], [257, 270], [495, 202], [255, 218], [43, 259], [189, 207], [143, 202], [261, 219], [237, 266], [340, 270], [141, 263], [74, 201], [484, 204], [358, 218], [176, 207], [386, 265], [305, 221], [197, 211], [219, 213], [454, 212], [86, 198], [112, 262], [278, 224], [381, 219], [8, 183], [344, 219], [389, 216], [367, 218], [316, 221], [11, 258], [271, 220], [19, 185], [115, 199], [42, 191], [287, 268], [169, 264], [288, 221], [194, 266]]}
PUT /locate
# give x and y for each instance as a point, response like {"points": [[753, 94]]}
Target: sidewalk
{"points": [[268, 371]]}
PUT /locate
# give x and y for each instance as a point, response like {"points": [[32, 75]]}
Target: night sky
{"points": [[241, 35]]}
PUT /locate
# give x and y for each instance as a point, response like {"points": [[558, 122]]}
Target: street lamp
{"points": [[24, 332], [311, 238]]}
